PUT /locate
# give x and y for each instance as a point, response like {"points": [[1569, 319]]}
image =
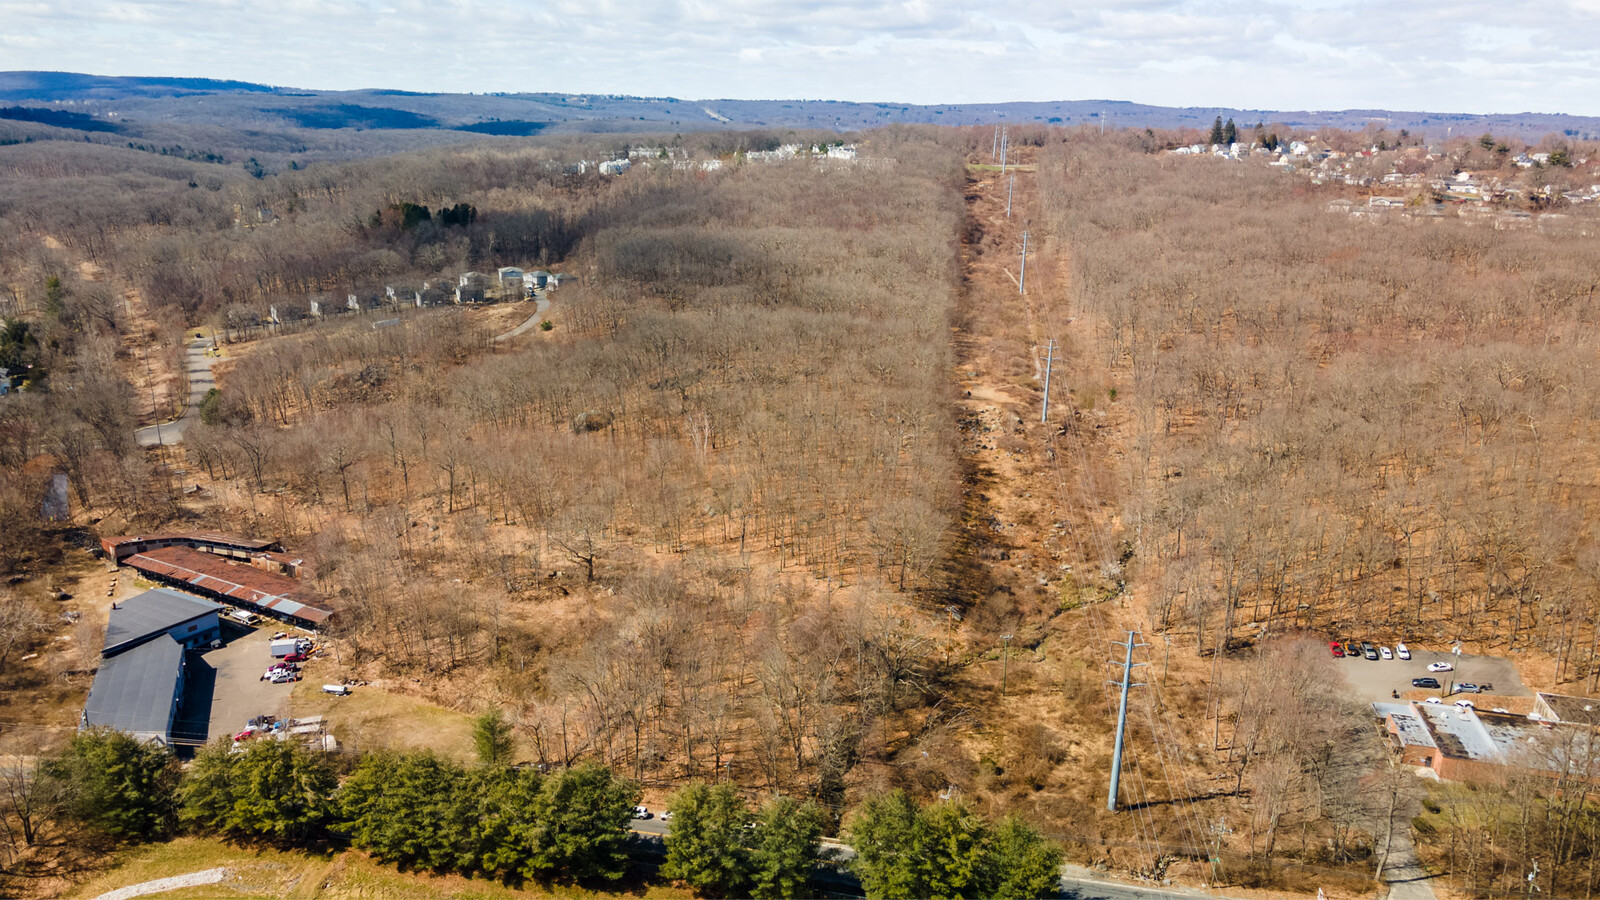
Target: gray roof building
{"points": [[139, 690], [188, 619]]}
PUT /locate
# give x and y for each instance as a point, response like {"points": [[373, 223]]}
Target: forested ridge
{"points": [[767, 498]]}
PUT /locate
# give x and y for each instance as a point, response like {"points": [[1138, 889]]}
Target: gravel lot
{"points": [[1375, 680]]}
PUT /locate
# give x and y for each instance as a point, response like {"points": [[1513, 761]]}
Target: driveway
{"points": [[201, 382], [539, 308], [1378, 680]]}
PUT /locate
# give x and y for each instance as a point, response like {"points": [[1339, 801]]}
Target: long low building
{"points": [[139, 685], [120, 548], [239, 584], [1462, 743]]}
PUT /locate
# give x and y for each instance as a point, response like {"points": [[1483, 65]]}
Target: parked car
{"points": [[1425, 683], [1386, 653], [1337, 649], [1351, 650], [284, 676], [1369, 651], [1440, 667], [666, 815], [1433, 700], [1467, 687], [338, 690], [296, 657], [640, 812], [1402, 651]]}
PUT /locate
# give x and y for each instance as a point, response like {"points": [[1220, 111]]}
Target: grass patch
{"points": [[370, 718], [346, 875]]}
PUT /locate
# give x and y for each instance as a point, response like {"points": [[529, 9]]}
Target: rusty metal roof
{"points": [[239, 582]]}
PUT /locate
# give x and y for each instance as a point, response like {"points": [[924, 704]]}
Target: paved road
{"points": [[200, 382], [539, 308]]}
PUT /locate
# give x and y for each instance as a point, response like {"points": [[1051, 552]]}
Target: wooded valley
{"points": [[766, 497]]}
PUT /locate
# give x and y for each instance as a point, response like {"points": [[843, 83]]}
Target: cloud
{"points": [[1462, 55]]}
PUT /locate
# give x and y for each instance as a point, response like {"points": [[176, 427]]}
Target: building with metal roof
{"points": [[139, 690], [238, 584], [189, 620]]}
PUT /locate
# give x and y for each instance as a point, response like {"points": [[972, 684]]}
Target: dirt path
{"points": [[1026, 513]]}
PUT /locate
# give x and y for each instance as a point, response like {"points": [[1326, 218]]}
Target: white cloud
{"points": [[1462, 55]]}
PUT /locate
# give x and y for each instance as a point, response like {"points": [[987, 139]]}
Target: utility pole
{"points": [[1009, 189], [1005, 662], [1128, 665], [1049, 363], [1022, 280], [994, 151], [1005, 143]]}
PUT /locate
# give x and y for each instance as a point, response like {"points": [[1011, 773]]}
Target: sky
{"points": [[1469, 56]]}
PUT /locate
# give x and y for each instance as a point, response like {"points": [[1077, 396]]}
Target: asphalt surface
{"points": [[539, 307], [240, 694], [200, 383], [1379, 679]]}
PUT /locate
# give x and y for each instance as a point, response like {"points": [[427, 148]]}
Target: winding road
{"points": [[198, 364], [538, 314]]}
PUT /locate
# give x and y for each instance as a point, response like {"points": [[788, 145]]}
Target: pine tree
{"points": [[707, 845], [1216, 131]]}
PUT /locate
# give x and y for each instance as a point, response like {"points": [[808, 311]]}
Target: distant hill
{"points": [[237, 104]]}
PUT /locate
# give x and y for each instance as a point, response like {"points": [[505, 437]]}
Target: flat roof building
{"points": [[139, 690], [189, 620]]}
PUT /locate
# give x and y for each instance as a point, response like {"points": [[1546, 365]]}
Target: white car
{"points": [[1440, 667], [1433, 700], [1402, 651], [666, 816], [640, 812], [1386, 653]]}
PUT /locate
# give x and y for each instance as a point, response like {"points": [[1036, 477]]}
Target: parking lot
{"points": [[224, 687], [1378, 679]]}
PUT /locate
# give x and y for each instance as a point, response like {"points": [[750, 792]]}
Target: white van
{"points": [[337, 690]]}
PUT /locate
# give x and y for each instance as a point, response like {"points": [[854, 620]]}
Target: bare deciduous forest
{"points": [[770, 498]]}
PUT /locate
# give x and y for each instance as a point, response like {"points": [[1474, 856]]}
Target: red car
{"points": [[1336, 649], [296, 657]]}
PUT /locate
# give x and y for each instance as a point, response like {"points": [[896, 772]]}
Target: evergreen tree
{"points": [[503, 822], [1022, 864], [1230, 133], [706, 847], [947, 850], [580, 826], [492, 739], [950, 851], [882, 832], [116, 785], [786, 848], [276, 790], [1216, 131], [407, 808]]}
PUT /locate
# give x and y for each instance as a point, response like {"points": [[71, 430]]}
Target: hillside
{"points": [[130, 104]]}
